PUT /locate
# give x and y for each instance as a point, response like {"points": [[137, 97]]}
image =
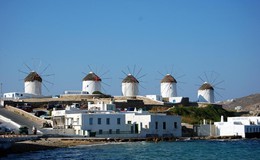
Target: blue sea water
{"points": [[204, 149]]}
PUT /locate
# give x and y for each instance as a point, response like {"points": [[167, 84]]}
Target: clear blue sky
{"points": [[182, 37]]}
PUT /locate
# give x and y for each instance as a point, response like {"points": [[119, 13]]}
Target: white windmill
{"points": [[168, 86], [91, 82], [130, 86], [206, 93], [33, 83]]}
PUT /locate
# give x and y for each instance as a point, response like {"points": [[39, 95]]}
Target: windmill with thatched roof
{"points": [[168, 86], [130, 86], [33, 83], [206, 93], [91, 83]]}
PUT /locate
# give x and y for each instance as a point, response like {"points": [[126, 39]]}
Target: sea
{"points": [[190, 149]]}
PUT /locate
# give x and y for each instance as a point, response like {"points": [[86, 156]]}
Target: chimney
{"points": [[222, 119]]}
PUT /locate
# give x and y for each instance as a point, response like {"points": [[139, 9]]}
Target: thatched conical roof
{"points": [[91, 77], [33, 76], [206, 86], [168, 79], [130, 79]]}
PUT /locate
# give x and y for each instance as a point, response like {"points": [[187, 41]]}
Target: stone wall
{"points": [[25, 114]]}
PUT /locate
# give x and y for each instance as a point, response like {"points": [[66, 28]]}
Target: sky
{"points": [[63, 40]]}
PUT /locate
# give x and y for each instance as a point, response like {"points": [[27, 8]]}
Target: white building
{"points": [[118, 124], [130, 86], [19, 95], [33, 84], [206, 93], [91, 83], [154, 97], [168, 86], [101, 106], [247, 127]]}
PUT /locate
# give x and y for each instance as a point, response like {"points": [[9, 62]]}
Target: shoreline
{"points": [[44, 144], [63, 142]]}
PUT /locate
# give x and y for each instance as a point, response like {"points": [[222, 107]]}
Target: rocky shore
{"points": [[44, 144]]}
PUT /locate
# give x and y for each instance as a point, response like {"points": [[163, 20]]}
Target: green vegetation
{"points": [[101, 95], [97, 92], [195, 115]]}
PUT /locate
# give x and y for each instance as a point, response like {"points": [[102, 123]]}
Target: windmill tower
{"points": [[130, 86], [168, 86], [206, 93], [91, 83], [33, 83]]}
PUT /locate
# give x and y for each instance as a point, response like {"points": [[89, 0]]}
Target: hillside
{"points": [[195, 115], [247, 103]]}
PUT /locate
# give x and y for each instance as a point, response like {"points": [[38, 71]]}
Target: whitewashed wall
{"points": [[34, 87], [206, 95], [168, 90], [130, 89], [91, 86]]}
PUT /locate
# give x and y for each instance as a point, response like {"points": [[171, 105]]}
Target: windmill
{"points": [[130, 84], [33, 82], [168, 85], [206, 92], [92, 82]]}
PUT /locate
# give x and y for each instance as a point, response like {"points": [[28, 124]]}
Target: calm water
{"points": [[236, 149]]}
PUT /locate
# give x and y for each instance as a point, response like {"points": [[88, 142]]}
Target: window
{"points": [[100, 131], [118, 121], [90, 121], [117, 131], [129, 122], [99, 120], [77, 121], [156, 125], [108, 120], [164, 125], [110, 131], [175, 125]]}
